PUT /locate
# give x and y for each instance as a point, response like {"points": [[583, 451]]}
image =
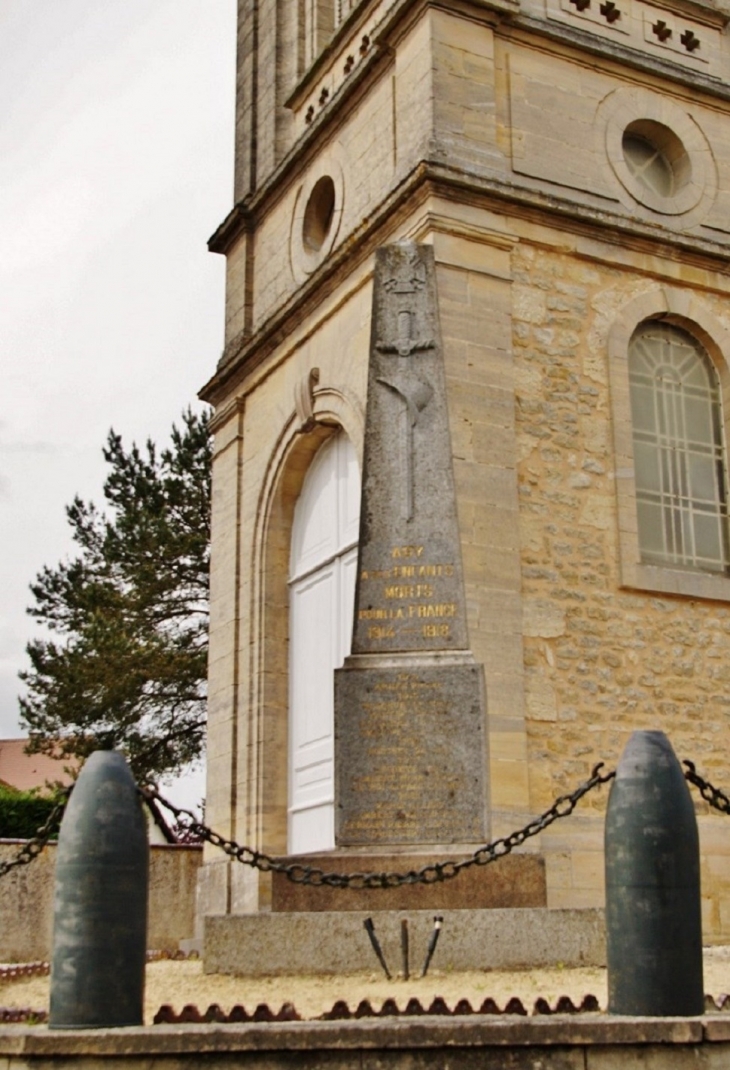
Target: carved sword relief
{"points": [[414, 393]]}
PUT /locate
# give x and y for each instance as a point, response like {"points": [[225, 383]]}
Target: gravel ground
{"points": [[180, 982]]}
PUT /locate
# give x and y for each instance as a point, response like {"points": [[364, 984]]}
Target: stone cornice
{"points": [[244, 353], [242, 218], [238, 221], [234, 407]]}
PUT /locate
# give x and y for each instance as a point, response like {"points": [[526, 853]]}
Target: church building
{"points": [[568, 162]]}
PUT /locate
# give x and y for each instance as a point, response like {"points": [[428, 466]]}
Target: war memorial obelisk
{"points": [[410, 708], [410, 732]]}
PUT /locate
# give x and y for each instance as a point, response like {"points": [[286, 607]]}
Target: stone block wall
{"points": [[601, 660], [26, 902]]}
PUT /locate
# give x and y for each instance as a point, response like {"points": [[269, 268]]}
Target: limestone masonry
{"points": [[568, 163]]}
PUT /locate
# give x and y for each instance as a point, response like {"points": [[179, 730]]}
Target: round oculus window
{"points": [[656, 159], [318, 214], [658, 153]]}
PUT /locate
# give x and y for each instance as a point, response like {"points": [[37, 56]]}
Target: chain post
{"points": [[100, 901], [652, 859]]}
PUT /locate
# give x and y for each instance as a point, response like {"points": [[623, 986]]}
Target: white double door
{"points": [[321, 597]]}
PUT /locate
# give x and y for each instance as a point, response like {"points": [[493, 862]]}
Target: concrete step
{"points": [[333, 942]]}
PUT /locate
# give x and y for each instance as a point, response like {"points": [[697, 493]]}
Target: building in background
{"points": [[569, 162], [27, 771]]}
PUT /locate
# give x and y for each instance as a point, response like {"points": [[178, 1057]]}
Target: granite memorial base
{"points": [[518, 880], [410, 751]]}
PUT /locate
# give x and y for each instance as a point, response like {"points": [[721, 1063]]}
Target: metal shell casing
{"points": [[653, 916], [100, 901]]}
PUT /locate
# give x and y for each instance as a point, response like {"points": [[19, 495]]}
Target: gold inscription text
{"points": [[409, 590], [407, 551]]}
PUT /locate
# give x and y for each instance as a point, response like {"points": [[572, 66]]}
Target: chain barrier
{"points": [[429, 874], [712, 795], [33, 847], [298, 873]]}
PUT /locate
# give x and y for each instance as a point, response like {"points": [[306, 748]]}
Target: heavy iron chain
{"points": [[430, 874], [301, 874], [33, 847], [712, 795]]}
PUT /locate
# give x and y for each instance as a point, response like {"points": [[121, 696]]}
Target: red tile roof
{"points": [[25, 771]]}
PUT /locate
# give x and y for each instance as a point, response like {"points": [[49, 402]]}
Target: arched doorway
{"points": [[322, 571]]}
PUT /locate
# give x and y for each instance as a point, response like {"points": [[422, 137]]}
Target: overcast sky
{"points": [[116, 164]]}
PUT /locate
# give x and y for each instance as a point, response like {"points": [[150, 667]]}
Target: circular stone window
{"points": [[659, 156], [318, 214], [656, 158]]}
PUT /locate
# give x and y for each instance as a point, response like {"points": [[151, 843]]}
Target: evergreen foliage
{"points": [[22, 813], [126, 666]]}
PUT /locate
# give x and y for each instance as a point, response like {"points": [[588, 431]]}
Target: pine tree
{"points": [[126, 666]]}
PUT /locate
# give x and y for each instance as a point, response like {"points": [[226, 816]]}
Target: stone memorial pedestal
{"points": [[410, 751]]}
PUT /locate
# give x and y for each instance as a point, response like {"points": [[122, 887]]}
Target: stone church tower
{"points": [[569, 163]]}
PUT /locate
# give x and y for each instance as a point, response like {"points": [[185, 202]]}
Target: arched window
{"points": [[678, 442], [321, 597]]}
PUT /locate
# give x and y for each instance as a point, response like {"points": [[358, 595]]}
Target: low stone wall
{"points": [[560, 1043], [26, 901]]}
